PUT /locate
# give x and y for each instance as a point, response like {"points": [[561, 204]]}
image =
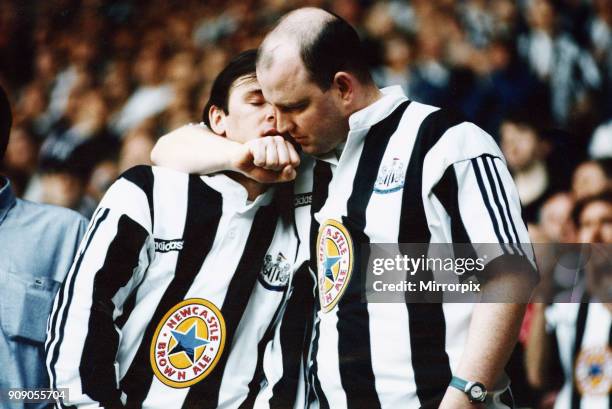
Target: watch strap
{"points": [[459, 383]]}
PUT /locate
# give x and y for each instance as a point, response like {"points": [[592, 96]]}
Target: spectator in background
{"points": [[83, 53], [397, 68], [116, 87], [592, 177], [32, 108], [506, 86], [580, 330], [600, 33], [39, 243], [432, 77], [64, 183], [21, 158], [152, 96], [136, 147], [555, 218], [76, 143], [526, 152], [556, 59]]}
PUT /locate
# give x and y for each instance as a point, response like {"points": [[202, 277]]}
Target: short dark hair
{"points": [[242, 65], [605, 196], [6, 120], [336, 47]]}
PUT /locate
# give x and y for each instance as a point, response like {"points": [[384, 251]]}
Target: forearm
{"points": [[492, 335], [195, 149], [537, 355]]}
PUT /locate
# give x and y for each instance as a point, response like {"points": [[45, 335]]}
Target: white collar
{"points": [[379, 110], [367, 117], [235, 196]]}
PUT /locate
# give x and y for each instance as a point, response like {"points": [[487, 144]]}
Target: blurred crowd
{"points": [[94, 83]]}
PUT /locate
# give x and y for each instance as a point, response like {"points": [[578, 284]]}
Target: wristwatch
{"points": [[476, 391]]}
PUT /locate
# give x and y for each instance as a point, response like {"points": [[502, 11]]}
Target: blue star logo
{"points": [[329, 263], [595, 370], [187, 342]]}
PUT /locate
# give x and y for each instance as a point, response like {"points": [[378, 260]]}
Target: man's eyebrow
{"points": [[292, 104]]}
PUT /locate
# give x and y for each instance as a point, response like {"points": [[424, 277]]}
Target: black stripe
{"points": [[205, 394], [259, 375], [354, 348], [294, 337], [201, 223], [487, 203], [70, 284], [97, 370], [506, 202], [426, 321], [142, 176], [447, 192], [496, 195], [128, 306], [317, 391], [61, 294], [322, 176], [581, 321]]}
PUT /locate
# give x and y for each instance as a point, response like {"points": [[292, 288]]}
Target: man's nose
{"points": [[283, 122]]}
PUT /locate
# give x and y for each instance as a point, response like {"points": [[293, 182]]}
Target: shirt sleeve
{"points": [[475, 200], [82, 336]]}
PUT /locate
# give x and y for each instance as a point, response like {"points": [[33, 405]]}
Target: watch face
{"points": [[478, 393]]}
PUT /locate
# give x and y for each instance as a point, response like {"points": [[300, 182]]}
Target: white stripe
{"points": [[388, 360], [328, 364]]}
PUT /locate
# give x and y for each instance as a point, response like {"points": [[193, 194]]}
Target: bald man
{"points": [[383, 169]]}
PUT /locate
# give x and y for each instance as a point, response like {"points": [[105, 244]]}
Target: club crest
{"points": [[334, 263], [390, 177], [275, 272], [188, 343], [593, 373]]}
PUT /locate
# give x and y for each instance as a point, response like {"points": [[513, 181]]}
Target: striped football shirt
{"points": [[176, 298], [408, 173]]}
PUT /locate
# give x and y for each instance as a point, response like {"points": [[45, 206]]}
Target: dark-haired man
{"points": [[582, 331], [38, 244], [388, 170], [176, 297]]}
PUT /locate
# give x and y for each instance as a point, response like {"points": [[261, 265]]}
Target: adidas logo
{"points": [[164, 246]]}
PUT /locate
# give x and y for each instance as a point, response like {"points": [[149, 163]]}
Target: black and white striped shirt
{"points": [[583, 333], [175, 297], [409, 173]]}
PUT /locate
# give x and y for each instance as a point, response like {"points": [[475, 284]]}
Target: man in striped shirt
{"points": [[582, 331], [389, 170], [176, 297]]}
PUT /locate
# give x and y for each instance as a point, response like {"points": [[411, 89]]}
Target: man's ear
{"points": [[345, 84], [216, 116]]}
